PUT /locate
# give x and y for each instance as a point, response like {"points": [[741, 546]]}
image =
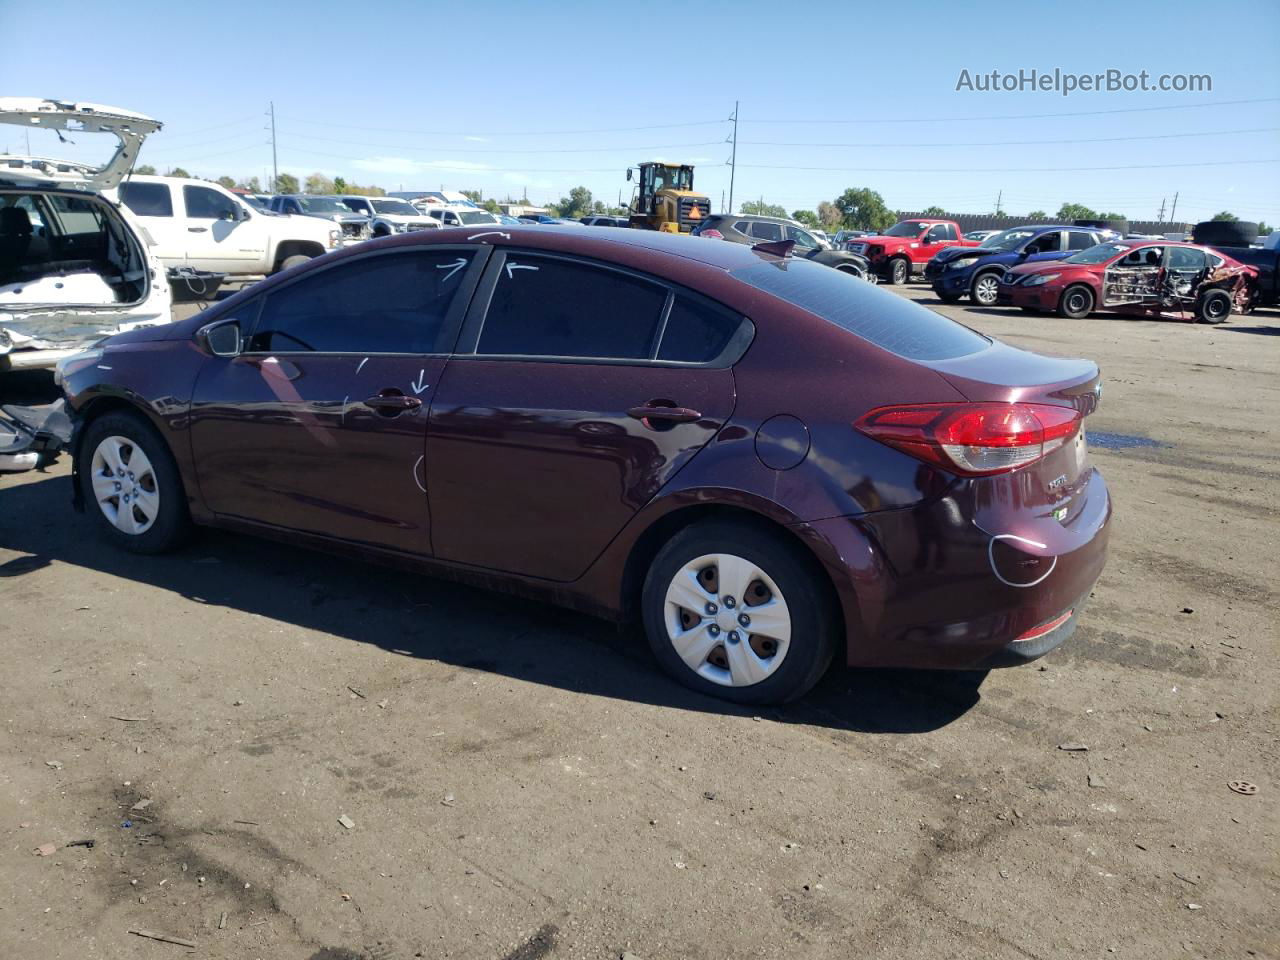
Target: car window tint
{"points": [[803, 239], [391, 303], [1049, 242], [1185, 258], [743, 226], [148, 199], [696, 332], [764, 230], [203, 203], [558, 308], [937, 233], [1079, 240], [77, 214], [885, 319]]}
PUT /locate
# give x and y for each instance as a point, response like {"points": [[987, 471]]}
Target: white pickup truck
{"points": [[199, 224]]}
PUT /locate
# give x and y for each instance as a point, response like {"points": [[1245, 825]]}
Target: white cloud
{"points": [[477, 139]]}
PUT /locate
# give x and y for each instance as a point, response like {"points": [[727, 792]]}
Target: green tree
{"points": [[829, 216], [1226, 216], [145, 170], [1037, 215], [807, 217], [864, 209], [339, 186], [933, 212], [1112, 216], [492, 206], [761, 209], [576, 204], [286, 183], [251, 185], [319, 183], [475, 196], [1264, 228], [226, 181], [177, 172], [1076, 211]]}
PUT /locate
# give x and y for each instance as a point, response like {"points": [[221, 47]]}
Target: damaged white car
{"points": [[74, 266]]}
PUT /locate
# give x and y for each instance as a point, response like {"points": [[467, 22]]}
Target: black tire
{"points": [[948, 297], [853, 271], [813, 620], [297, 260], [985, 299], [172, 523], [380, 231], [899, 271], [1225, 233], [1076, 302], [1213, 306]]}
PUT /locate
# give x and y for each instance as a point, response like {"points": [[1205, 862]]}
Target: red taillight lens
{"points": [[712, 233], [973, 439]]}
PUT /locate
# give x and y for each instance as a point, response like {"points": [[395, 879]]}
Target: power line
{"points": [[1014, 143], [1037, 116], [502, 133], [1139, 166], [486, 150]]}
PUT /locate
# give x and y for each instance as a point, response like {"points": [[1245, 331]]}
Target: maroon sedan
{"points": [[1178, 281], [769, 462]]}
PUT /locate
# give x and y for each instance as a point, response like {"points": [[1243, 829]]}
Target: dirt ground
{"points": [[522, 783]]}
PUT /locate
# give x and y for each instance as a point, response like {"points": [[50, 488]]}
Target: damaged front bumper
{"points": [[32, 437]]}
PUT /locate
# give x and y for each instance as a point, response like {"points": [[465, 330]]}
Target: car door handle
{"points": [[197, 229], [669, 414], [393, 402]]}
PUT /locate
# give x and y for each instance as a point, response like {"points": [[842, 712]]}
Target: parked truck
{"points": [[1236, 239], [902, 251]]}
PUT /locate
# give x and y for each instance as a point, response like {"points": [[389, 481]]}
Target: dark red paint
{"points": [[543, 479]]}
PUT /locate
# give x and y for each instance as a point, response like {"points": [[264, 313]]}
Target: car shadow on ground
{"points": [[418, 616], [1264, 331]]}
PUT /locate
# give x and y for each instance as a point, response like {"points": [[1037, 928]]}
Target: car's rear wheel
{"points": [[132, 486], [1214, 306], [737, 613], [297, 260], [1076, 302], [985, 289], [899, 271]]}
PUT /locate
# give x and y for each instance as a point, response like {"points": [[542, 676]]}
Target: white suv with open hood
{"points": [[74, 266]]}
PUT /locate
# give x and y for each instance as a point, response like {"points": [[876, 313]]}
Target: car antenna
{"points": [[779, 248]]}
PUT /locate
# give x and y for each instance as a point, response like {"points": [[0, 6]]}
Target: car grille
{"points": [[932, 269], [693, 210], [410, 227]]}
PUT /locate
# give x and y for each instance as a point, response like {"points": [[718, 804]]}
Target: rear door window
{"points": [[885, 319], [148, 199], [548, 307], [388, 303], [1079, 240], [696, 332]]}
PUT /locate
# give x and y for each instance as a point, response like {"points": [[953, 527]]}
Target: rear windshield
{"points": [[886, 319]]}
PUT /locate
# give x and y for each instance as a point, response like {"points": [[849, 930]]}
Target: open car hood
{"points": [[129, 128]]}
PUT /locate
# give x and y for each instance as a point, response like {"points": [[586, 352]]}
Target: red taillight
{"points": [[1036, 633], [973, 439]]}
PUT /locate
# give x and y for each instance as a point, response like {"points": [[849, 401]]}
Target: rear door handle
{"points": [[197, 229], [669, 414], [393, 402]]}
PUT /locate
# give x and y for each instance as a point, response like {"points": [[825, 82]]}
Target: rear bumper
{"points": [[929, 588], [37, 359]]}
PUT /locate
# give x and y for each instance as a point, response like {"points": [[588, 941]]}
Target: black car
{"points": [[752, 229], [600, 220]]}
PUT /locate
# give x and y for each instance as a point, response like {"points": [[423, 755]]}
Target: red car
{"points": [[1156, 278], [906, 248], [770, 462]]}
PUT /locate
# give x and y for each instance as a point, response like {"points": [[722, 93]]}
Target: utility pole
{"points": [[733, 160], [1174, 212], [1160, 216], [275, 167], [999, 197]]}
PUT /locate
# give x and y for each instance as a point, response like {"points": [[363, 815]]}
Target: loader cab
{"points": [[663, 195]]}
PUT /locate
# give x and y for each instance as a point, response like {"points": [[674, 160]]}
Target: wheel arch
{"points": [[291, 248], [658, 532], [94, 409]]}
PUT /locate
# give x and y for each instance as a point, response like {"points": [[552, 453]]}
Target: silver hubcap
{"points": [[984, 291], [125, 485], [727, 620]]}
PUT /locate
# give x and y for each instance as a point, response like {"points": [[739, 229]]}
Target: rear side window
{"points": [[1079, 240], [148, 199], [764, 230], [391, 303], [544, 307], [77, 214], [883, 318], [696, 332]]}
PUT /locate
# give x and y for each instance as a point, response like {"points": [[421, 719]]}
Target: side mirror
{"points": [[628, 173], [222, 339]]}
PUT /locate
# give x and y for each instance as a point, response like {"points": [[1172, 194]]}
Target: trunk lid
{"points": [[130, 130]]}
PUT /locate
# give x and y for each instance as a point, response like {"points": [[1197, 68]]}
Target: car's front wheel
{"points": [[899, 271], [985, 289], [132, 486], [734, 611], [1214, 306], [1076, 302]]}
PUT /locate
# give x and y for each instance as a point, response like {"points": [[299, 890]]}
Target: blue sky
{"points": [[501, 96]]}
